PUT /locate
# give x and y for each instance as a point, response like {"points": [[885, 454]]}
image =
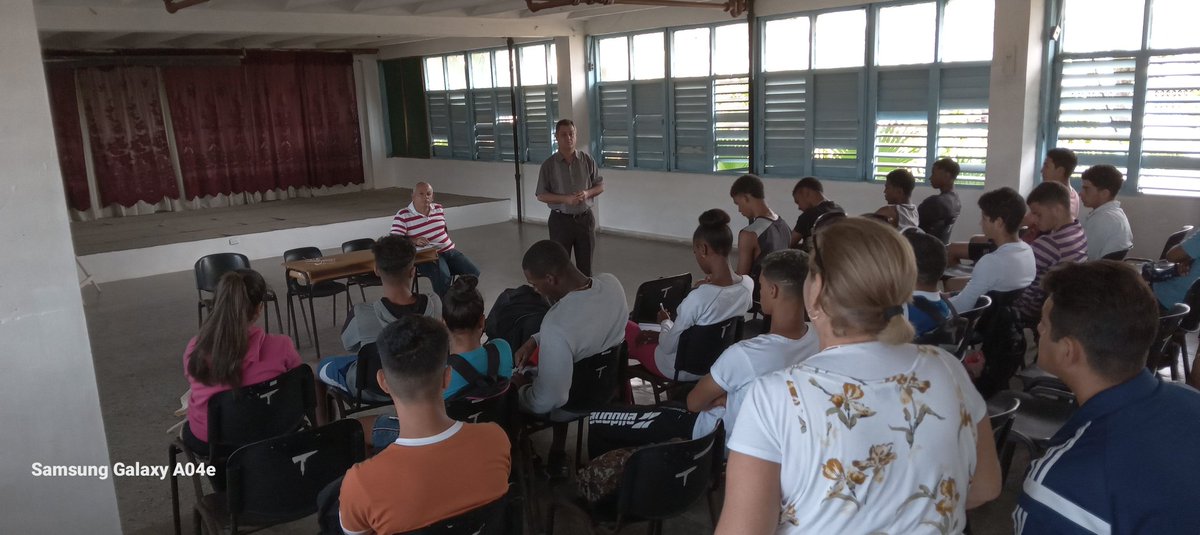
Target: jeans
{"points": [[449, 264]]}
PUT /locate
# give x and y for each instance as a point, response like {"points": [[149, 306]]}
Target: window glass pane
{"points": [[481, 70], [1173, 24], [906, 34], [456, 72], [841, 39], [1171, 132], [435, 78], [614, 59], [1099, 25], [785, 45], [967, 30], [648, 56], [502, 73], [551, 64], [689, 53], [732, 51], [533, 65]]}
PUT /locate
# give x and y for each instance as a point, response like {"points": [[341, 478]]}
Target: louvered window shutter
{"points": [[649, 126], [963, 120], [836, 134], [1095, 110], [902, 122], [461, 139], [693, 125], [785, 123], [614, 124], [1170, 151], [439, 123], [484, 127]]}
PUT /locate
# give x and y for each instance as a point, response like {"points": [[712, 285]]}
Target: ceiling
{"points": [[319, 24]]}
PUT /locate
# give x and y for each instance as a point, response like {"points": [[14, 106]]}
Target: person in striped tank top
{"points": [[1063, 240], [424, 222]]}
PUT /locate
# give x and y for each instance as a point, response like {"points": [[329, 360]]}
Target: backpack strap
{"points": [[468, 372], [926, 306], [493, 360]]}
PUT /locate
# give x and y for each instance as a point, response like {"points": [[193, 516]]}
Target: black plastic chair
{"points": [[277, 480], [1172, 240], [1164, 352], [488, 519], [1189, 325], [659, 482], [666, 292], [365, 373], [362, 281], [249, 414], [478, 410], [957, 334], [1002, 417], [1040, 414], [1118, 255], [699, 347], [208, 271], [310, 291]]}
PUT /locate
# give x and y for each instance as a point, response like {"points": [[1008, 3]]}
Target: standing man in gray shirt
{"points": [[567, 182]]}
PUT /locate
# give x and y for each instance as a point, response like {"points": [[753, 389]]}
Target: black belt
{"points": [[560, 212]]}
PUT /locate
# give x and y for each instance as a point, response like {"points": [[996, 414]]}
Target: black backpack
{"points": [[480, 385], [516, 316], [947, 326]]}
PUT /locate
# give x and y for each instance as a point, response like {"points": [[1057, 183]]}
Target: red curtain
{"points": [[331, 119], [128, 138], [64, 110]]}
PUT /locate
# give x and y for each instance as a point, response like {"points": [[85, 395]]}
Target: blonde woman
{"points": [[872, 434]]}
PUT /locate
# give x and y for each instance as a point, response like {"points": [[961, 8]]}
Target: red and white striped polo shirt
{"points": [[409, 222]]}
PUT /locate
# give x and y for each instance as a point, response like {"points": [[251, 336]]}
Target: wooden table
{"points": [[339, 266]]}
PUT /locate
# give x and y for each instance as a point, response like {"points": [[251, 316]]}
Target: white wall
{"points": [[49, 406]]}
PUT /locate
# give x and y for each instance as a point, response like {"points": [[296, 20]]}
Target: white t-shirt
{"points": [[907, 216], [1107, 230], [745, 361], [705, 305], [870, 438], [1009, 267]]}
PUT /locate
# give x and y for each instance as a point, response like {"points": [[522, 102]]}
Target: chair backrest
{"points": [[827, 218], [1174, 239], [277, 480], [260, 411], [1002, 419], [361, 244], [1118, 255], [594, 380], [667, 292], [970, 323], [367, 371], [477, 410], [1191, 321], [210, 268], [700, 345], [1168, 325], [301, 253], [663, 480], [487, 519]]}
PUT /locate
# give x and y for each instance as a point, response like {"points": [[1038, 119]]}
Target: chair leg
{"points": [[200, 314], [196, 519], [580, 425], [172, 454], [278, 318], [304, 316], [362, 292], [312, 313]]}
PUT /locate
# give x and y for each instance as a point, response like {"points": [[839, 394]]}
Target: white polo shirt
{"points": [[1107, 230]]}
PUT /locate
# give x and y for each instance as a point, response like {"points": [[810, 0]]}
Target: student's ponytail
{"points": [[224, 338]]}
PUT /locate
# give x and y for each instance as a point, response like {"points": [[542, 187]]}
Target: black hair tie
{"points": [[891, 312]]}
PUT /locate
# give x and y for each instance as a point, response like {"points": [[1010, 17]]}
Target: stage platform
{"points": [[121, 248]]}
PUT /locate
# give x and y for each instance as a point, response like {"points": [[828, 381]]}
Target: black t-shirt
{"points": [[804, 223], [937, 214]]}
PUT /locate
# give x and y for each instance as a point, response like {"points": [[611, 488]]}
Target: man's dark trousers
{"points": [[575, 233]]}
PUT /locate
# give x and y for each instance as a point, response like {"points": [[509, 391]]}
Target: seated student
{"points": [[424, 222], [928, 309], [809, 196], [897, 192], [766, 233], [394, 264], [588, 316], [437, 468], [938, 213], [1126, 460], [231, 351], [1062, 240], [1106, 226], [719, 394], [1058, 166], [720, 296], [1010, 266]]}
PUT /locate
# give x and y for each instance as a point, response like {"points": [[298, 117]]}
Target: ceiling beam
{"points": [[503, 6], [115, 19], [438, 6], [598, 12]]}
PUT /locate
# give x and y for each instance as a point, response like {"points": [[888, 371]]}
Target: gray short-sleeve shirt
{"points": [[561, 178]]}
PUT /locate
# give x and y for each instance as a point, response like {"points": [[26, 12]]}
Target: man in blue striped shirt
{"points": [[1063, 241], [1126, 461]]}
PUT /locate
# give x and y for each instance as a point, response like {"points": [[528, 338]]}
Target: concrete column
{"points": [[49, 406], [1018, 49], [572, 86]]}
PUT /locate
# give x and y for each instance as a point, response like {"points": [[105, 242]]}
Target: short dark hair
{"points": [[948, 165], [714, 230], [394, 255], [1006, 204], [808, 182], [1107, 307], [788, 268], [903, 179], [546, 258], [1105, 177], [748, 184], [1050, 193], [1064, 158], [413, 351], [563, 122], [462, 306], [930, 253]]}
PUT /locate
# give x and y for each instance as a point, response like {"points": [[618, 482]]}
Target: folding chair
{"points": [[665, 292], [1164, 352], [699, 347], [208, 271], [367, 395], [310, 292], [362, 281]]}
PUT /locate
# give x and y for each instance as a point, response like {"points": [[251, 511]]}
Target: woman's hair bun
{"points": [[464, 283], [714, 217]]}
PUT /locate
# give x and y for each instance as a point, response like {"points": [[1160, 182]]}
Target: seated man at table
{"points": [[1010, 264], [394, 264], [1106, 226], [588, 316], [424, 222], [1126, 461]]}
